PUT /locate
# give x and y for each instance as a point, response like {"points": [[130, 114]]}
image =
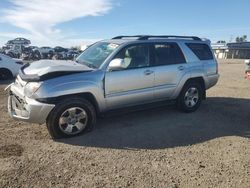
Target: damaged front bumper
{"points": [[26, 109]]}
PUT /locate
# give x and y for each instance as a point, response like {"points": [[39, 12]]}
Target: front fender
{"points": [[71, 88], [91, 82]]}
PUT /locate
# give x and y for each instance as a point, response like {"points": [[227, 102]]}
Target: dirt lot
{"points": [[154, 148]]}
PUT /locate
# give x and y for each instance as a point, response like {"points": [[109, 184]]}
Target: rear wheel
{"points": [[5, 74], [71, 118], [190, 97]]}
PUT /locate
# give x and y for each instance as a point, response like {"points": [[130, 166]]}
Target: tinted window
{"points": [[202, 51], [135, 56], [168, 54]]}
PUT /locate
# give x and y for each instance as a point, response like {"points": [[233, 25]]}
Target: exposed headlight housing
{"points": [[31, 88]]}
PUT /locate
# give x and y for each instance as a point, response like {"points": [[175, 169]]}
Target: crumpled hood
{"points": [[43, 67], [47, 69]]}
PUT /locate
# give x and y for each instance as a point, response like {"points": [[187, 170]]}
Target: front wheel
{"points": [[71, 118], [190, 97], [5, 74]]}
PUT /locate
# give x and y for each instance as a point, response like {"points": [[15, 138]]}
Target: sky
{"points": [[75, 22]]}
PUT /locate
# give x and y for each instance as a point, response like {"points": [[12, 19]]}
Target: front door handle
{"points": [[148, 72]]}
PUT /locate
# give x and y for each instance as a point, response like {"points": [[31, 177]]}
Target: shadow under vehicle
{"points": [[163, 127]]}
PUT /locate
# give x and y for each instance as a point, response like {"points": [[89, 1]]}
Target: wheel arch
{"points": [[86, 95], [185, 80], [7, 70], [201, 81]]}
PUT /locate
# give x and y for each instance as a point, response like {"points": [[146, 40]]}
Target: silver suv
{"points": [[126, 71]]}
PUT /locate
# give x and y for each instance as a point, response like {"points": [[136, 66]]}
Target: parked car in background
{"points": [[14, 48], [20, 41], [15, 51], [20, 48], [9, 67], [30, 53], [3, 49], [60, 53], [45, 52], [73, 54], [125, 71], [59, 49]]}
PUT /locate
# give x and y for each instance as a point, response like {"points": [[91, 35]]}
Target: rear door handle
{"points": [[148, 72], [181, 68]]}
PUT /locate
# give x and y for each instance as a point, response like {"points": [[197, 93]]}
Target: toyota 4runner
{"points": [[112, 74]]}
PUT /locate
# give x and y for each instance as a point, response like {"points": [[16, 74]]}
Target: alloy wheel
{"points": [[73, 121]]}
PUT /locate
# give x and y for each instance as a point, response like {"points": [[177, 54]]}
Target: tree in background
{"points": [[241, 39]]}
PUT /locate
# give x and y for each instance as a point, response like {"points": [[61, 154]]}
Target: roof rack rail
{"points": [[146, 37], [131, 36]]}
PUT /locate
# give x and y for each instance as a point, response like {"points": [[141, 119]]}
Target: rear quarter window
{"points": [[202, 51], [168, 54]]}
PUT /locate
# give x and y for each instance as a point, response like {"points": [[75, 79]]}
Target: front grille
{"points": [[18, 102], [18, 106]]}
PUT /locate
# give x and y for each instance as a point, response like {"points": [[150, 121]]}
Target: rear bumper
{"points": [[212, 80], [26, 109]]}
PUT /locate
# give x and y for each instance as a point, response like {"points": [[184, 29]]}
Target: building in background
{"points": [[220, 50], [237, 50]]}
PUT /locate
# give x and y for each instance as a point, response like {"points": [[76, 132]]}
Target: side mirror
{"points": [[117, 64]]}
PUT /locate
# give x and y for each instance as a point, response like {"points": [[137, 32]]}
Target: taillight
{"points": [[19, 62]]}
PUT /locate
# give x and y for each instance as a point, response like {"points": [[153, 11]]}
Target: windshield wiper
{"points": [[87, 64], [90, 65]]}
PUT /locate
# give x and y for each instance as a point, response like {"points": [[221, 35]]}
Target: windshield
{"points": [[96, 54]]}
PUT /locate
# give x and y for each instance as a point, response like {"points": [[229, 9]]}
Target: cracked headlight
{"points": [[31, 88]]}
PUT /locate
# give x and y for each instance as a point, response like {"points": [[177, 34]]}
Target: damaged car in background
{"points": [[9, 67], [122, 72]]}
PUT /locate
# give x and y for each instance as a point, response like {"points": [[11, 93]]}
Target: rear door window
{"points": [[202, 51], [168, 54]]}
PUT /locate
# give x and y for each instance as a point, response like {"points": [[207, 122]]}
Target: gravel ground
{"points": [[153, 148]]}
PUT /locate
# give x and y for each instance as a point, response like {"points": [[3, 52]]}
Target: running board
{"points": [[143, 107]]}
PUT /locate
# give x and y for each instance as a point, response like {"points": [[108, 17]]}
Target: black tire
{"points": [[181, 101], [55, 114], [5, 74]]}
